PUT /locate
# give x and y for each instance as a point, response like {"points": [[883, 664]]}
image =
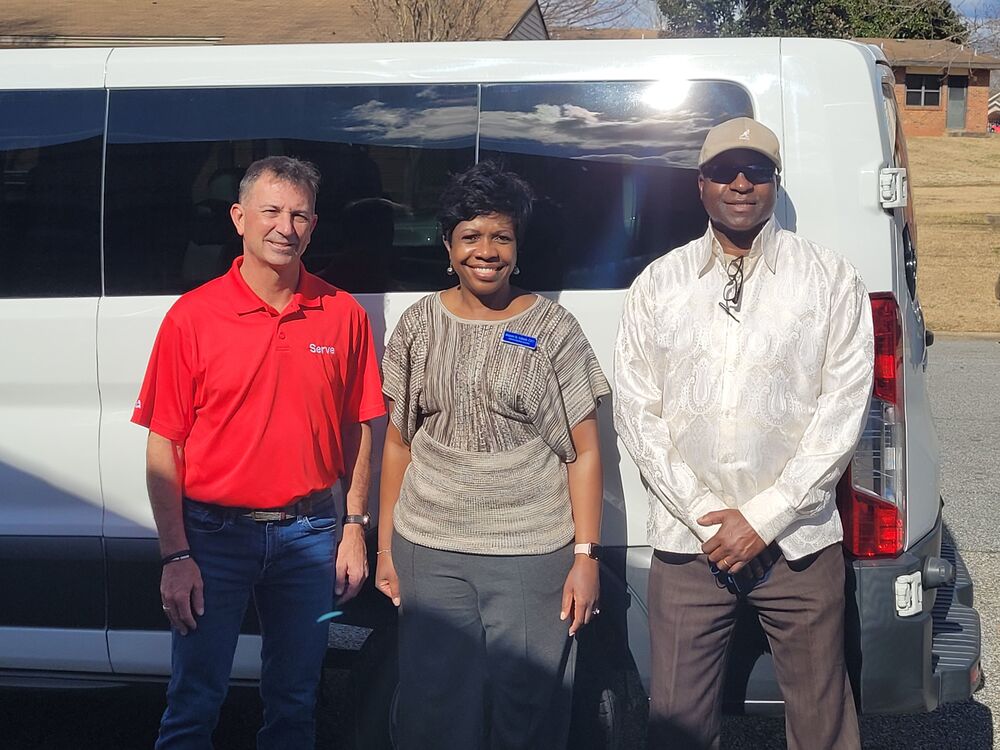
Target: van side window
{"points": [[175, 159], [50, 192], [615, 166]]}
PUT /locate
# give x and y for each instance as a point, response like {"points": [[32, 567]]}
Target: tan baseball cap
{"points": [[740, 132]]}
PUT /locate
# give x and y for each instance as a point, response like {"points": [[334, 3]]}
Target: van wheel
{"points": [[376, 681], [608, 700]]}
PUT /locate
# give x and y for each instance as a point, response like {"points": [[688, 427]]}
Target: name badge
{"points": [[519, 339]]}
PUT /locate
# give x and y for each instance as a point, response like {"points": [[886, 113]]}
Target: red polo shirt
{"points": [[258, 396]]}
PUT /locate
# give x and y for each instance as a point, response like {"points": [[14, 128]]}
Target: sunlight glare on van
{"points": [[666, 94]]}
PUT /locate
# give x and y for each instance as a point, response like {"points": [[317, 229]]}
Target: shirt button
{"points": [[281, 335]]}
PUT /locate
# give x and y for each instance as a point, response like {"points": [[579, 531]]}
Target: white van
{"points": [[118, 169]]}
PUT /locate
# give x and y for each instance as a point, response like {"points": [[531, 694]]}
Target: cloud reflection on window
{"points": [[662, 123], [378, 123]]}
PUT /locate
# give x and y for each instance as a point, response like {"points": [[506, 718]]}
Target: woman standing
{"points": [[491, 490]]}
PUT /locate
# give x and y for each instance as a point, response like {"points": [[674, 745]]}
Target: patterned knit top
{"points": [[487, 407]]}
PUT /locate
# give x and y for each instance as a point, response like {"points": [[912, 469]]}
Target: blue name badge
{"points": [[519, 339]]}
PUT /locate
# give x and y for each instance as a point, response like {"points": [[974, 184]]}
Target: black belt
{"points": [[302, 507]]}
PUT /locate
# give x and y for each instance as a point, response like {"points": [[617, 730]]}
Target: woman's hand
{"points": [[386, 579], [581, 593]]}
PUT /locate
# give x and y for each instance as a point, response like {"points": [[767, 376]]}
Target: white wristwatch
{"points": [[590, 549]]}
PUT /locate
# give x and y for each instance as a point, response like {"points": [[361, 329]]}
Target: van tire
{"points": [[376, 681], [609, 704]]}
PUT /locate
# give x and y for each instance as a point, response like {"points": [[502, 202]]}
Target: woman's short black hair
{"points": [[486, 188]]}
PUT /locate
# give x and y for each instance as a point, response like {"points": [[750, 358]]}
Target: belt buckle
{"points": [[262, 516]]}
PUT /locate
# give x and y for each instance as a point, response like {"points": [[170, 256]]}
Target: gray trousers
{"points": [[691, 620], [484, 660]]}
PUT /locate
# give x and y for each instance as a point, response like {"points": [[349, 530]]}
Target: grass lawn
{"points": [[956, 192]]}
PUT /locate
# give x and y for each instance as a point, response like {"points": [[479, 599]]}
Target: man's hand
{"points": [[735, 543], [182, 594], [352, 563]]}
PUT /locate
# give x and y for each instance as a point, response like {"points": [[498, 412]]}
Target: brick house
{"points": [[105, 23], [941, 87]]}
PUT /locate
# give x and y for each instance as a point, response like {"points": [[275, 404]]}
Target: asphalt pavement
{"points": [[965, 395]]}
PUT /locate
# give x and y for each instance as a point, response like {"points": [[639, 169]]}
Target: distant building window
{"points": [[923, 90]]}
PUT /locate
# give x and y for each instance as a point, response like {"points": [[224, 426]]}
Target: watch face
{"points": [[362, 520]]}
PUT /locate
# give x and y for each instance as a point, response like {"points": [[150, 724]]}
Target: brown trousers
{"points": [[691, 620]]}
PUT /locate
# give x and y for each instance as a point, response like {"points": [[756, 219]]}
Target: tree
{"points": [[609, 14], [829, 18], [436, 20], [911, 19], [896, 19], [693, 18]]}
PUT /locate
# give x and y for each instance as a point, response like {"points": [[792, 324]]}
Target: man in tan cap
{"points": [[743, 369]]}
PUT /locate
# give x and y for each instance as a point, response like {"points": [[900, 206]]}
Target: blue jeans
{"points": [[289, 568]]}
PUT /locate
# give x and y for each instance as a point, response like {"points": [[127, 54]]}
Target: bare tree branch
{"points": [[436, 20], [599, 13]]}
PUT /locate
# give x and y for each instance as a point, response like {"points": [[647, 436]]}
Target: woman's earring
{"points": [[449, 270], [516, 271]]}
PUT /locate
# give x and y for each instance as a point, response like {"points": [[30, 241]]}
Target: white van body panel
{"points": [[28, 69], [832, 150], [50, 407], [144, 652], [923, 453], [55, 650], [750, 61], [50, 412], [128, 327]]}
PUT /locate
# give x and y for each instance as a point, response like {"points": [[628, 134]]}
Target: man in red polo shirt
{"points": [[258, 398]]}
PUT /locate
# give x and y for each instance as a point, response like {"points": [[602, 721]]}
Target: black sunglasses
{"points": [[739, 584], [758, 174], [733, 291]]}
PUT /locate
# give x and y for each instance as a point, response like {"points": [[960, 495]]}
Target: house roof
{"points": [[112, 22], [932, 53], [575, 32]]}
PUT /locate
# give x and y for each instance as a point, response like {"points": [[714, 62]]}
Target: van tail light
{"points": [[872, 493]]}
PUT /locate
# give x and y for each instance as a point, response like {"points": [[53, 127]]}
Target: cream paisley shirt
{"points": [[762, 414]]}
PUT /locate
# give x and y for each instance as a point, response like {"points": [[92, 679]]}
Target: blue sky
{"points": [[974, 8]]}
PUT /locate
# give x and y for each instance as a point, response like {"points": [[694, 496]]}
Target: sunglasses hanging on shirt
{"points": [[733, 291]]}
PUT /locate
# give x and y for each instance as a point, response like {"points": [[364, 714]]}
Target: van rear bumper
{"points": [[957, 637], [897, 664], [916, 663]]}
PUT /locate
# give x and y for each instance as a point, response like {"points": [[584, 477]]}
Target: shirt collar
{"points": [[308, 296], [766, 243]]}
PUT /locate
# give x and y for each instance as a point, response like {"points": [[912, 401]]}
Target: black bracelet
{"points": [[183, 554]]}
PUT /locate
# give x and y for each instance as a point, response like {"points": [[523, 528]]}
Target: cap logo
{"points": [[745, 135]]}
